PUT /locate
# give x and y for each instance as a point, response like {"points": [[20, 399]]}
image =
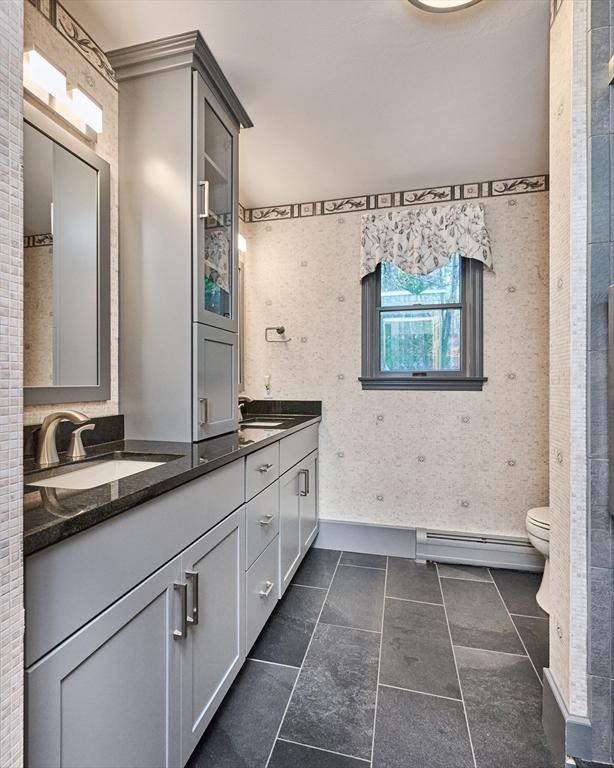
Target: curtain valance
{"points": [[422, 240]]}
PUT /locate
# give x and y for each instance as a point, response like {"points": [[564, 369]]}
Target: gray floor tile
{"points": [[535, 635], [477, 616], [333, 704], [518, 590], [412, 581], [418, 731], [286, 635], [416, 649], [470, 572], [245, 726], [503, 700], [368, 561], [317, 568], [356, 598], [287, 754]]}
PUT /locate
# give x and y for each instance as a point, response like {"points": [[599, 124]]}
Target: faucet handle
{"points": [[76, 449]]}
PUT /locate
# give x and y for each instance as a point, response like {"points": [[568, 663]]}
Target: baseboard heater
{"points": [[476, 549]]}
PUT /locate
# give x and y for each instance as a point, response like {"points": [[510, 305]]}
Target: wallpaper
{"points": [[48, 27], [464, 461]]}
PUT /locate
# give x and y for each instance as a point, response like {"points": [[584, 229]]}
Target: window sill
{"points": [[449, 383]]}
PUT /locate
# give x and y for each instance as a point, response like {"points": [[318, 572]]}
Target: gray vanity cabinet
{"points": [[109, 695], [216, 381], [298, 515], [214, 648]]}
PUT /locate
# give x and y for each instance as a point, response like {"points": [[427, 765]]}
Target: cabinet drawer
{"points": [[261, 591], [261, 469], [295, 447], [262, 522]]}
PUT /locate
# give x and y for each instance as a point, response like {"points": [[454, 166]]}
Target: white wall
{"points": [[466, 461]]}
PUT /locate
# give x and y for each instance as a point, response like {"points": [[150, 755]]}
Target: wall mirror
{"points": [[66, 266]]}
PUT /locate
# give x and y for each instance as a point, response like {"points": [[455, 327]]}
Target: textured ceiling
{"points": [[357, 96]]}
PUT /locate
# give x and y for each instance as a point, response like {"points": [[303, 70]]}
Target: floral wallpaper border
{"points": [[58, 17], [449, 193], [34, 241]]}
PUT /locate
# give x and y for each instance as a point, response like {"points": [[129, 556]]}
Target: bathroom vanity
{"points": [[144, 595]]}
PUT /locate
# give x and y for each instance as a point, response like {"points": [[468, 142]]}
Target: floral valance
{"points": [[422, 240]]}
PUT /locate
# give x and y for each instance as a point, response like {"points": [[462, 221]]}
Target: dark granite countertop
{"points": [[54, 514]]}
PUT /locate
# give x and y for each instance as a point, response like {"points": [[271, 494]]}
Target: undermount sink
{"points": [[96, 474], [264, 422]]}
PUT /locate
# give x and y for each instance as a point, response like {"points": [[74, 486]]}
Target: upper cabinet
{"points": [[215, 180], [179, 123]]}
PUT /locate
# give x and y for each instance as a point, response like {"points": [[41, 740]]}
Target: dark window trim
{"points": [[469, 378]]}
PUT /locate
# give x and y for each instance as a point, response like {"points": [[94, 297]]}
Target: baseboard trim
{"points": [[477, 549], [567, 734], [370, 538]]}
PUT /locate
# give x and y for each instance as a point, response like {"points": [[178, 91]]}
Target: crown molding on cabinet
{"points": [[187, 49]]}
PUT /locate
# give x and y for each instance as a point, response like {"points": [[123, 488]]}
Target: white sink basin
{"points": [[99, 474]]}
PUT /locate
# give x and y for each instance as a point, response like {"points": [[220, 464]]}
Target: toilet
{"points": [[538, 528]]}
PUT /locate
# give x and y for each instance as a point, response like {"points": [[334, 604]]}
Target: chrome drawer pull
{"points": [[266, 520], [267, 590], [265, 468], [204, 411], [182, 588], [204, 185], [192, 615]]}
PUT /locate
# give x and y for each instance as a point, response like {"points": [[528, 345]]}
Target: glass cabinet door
{"points": [[215, 172]]}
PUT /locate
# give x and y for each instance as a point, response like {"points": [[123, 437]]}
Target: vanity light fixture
{"points": [[86, 109], [48, 84], [443, 6], [40, 74], [242, 244]]}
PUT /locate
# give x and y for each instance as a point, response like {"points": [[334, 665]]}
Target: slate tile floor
{"points": [[384, 662]]}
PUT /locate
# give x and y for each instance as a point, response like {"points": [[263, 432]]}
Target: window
{"points": [[423, 331]]}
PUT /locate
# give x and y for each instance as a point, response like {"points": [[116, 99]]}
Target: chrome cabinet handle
{"points": [[192, 615], [265, 468], [268, 586], [266, 520], [204, 411], [204, 185], [182, 588], [304, 491]]}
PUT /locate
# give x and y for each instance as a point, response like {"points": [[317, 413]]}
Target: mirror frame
{"points": [[102, 390]]}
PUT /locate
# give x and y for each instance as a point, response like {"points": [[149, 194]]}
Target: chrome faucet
{"points": [[47, 453], [243, 399]]}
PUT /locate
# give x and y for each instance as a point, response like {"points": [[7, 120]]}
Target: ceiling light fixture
{"points": [[443, 6]]}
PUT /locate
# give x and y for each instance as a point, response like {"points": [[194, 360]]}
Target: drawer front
{"points": [[261, 591], [295, 447], [261, 469], [262, 522]]}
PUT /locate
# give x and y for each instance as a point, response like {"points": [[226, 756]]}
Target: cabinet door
{"points": [[215, 171], [289, 526], [309, 501], [109, 695], [214, 650], [215, 409]]}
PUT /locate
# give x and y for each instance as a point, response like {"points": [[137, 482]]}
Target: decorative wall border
{"points": [[68, 27], [449, 193], [35, 241]]}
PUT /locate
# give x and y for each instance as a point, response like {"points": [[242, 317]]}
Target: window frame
{"points": [[470, 375]]}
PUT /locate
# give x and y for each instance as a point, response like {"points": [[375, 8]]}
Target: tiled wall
{"points": [[465, 461], [11, 330], [601, 274], [53, 31]]}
